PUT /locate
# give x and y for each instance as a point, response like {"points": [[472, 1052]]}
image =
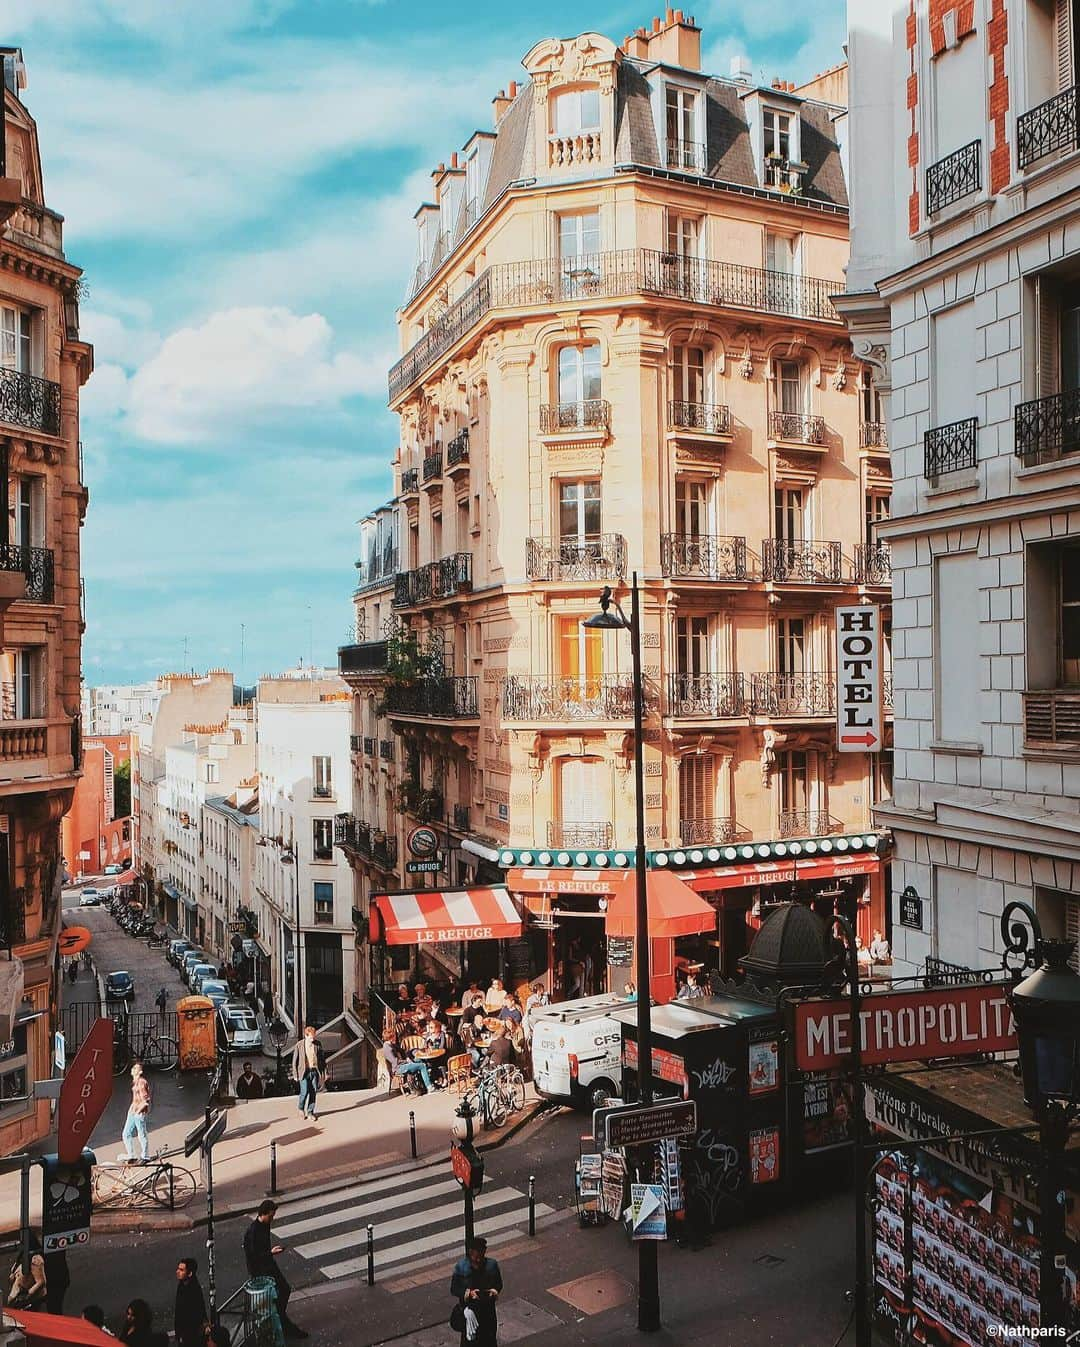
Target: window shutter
{"points": [[1048, 314], [1063, 44], [1072, 931], [37, 513], [39, 708]]}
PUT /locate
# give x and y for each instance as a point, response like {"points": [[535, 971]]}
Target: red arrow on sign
{"points": [[866, 738], [86, 1090]]}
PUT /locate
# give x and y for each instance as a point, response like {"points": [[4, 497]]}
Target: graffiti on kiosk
{"points": [[715, 1076]]}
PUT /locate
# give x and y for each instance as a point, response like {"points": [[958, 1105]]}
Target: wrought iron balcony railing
{"points": [[352, 834], [808, 823], [703, 831], [629, 271], [954, 177], [26, 400], [462, 816], [873, 563], [887, 690], [950, 448], [365, 657], [801, 562], [384, 851], [450, 698], [703, 556], [873, 435], [708, 417], [1052, 717], [1048, 428], [568, 699], [707, 696], [410, 482], [595, 414], [781, 695], [457, 451], [356, 743], [599, 558], [796, 427], [1050, 126], [36, 563], [592, 836], [688, 155], [386, 750], [441, 579], [433, 466], [369, 745]]}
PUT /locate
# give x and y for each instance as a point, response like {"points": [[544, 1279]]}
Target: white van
{"points": [[577, 1051]]}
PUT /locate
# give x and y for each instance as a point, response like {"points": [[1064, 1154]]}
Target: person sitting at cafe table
{"points": [[511, 1011], [500, 1050], [404, 1000], [421, 999], [405, 1069], [436, 1039], [494, 997], [879, 949]]}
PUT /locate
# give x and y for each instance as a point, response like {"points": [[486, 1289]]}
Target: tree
{"points": [[122, 790]]}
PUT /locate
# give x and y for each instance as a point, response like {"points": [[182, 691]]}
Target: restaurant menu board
{"points": [[975, 1256], [826, 1114], [765, 1155], [613, 1183], [620, 950], [764, 1067], [518, 961]]}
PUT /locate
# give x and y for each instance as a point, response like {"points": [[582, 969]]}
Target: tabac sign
{"points": [[86, 1090], [914, 1026], [858, 679]]}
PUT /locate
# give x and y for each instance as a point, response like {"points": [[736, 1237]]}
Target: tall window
{"points": [[321, 777], [870, 412], [782, 253], [1070, 616], [792, 774], [692, 507], [322, 839], [579, 235], [579, 373], [24, 684], [688, 374], [584, 791], [28, 524], [472, 187], [776, 126], [697, 787], [579, 649], [790, 645], [692, 645], [680, 127], [323, 893], [579, 511], [789, 514], [877, 511], [790, 387], [16, 340], [683, 234], [576, 111]]}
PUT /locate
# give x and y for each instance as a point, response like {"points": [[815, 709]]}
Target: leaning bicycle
{"points": [[148, 1183], [156, 1051], [487, 1100]]}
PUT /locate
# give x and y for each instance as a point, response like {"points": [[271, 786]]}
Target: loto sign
{"points": [[914, 1026], [86, 1090], [858, 679]]}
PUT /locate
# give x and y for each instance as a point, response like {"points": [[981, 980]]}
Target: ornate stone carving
{"points": [[839, 378], [650, 640], [876, 356]]}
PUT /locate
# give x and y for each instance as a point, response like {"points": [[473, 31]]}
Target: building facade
{"points": [[118, 708], [94, 834], [43, 365], [229, 829], [963, 301], [620, 357]]}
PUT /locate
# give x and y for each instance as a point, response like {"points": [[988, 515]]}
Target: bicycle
{"points": [[511, 1084], [486, 1095], [156, 1051], [143, 1183]]}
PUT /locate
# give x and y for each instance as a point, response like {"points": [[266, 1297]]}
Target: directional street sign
{"points": [[651, 1122]]}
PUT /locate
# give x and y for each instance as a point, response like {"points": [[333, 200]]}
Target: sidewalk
{"points": [[356, 1131]]}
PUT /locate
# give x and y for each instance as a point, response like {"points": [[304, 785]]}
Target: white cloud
{"points": [[244, 367], [793, 42]]}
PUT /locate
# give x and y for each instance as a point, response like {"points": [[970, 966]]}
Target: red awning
{"points": [[674, 908], [836, 867], [739, 876], [569, 883], [43, 1329], [431, 916]]}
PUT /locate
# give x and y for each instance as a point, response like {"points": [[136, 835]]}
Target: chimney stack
{"points": [[740, 70], [674, 40], [511, 93], [499, 104]]}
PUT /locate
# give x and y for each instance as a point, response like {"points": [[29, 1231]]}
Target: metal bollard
{"points": [[532, 1204], [273, 1167], [412, 1132], [371, 1255]]}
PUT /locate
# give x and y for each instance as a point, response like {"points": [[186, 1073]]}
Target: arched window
{"points": [[576, 111]]}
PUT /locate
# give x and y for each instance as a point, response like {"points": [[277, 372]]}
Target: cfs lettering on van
{"points": [[438, 935]]}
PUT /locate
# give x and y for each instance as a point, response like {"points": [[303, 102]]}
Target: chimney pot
{"points": [[513, 89], [678, 16], [453, 160], [669, 16], [656, 25], [641, 32]]}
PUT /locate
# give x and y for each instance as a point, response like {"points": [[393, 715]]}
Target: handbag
{"points": [[457, 1318]]}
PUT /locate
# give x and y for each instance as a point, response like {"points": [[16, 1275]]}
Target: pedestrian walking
{"points": [[161, 1001], [73, 970], [261, 1254], [138, 1116], [476, 1284], [305, 1066], [189, 1315]]}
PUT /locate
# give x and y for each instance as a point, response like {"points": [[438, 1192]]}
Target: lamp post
{"points": [[278, 1034], [605, 620], [287, 858]]}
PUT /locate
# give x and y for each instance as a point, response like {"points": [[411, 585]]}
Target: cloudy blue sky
{"points": [[238, 179]]}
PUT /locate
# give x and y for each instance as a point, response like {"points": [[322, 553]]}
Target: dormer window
{"points": [[575, 122], [472, 187], [684, 148], [782, 168], [777, 129]]}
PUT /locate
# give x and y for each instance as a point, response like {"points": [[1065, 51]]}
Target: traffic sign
{"points": [[858, 679], [86, 1090], [59, 1050], [430, 867], [66, 1201], [651, 1122]]}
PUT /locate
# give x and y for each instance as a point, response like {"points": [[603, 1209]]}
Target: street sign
{"points": [[651, 1122], [468, 1166], [913, 1026], [422, 841], [66, 1201], [86, 1090], [59, 1050], [73, 940], [431, 867], [911, 909], [858, 679]]}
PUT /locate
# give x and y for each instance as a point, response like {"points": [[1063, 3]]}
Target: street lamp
{"points": [[606, 620], [278, 1034], [287, 858]]}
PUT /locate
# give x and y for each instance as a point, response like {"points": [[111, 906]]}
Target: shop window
{"points": [[14, 1070]]}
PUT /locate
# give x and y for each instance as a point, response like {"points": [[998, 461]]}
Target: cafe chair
{"points": [[459, 1073], [412, 1043]]}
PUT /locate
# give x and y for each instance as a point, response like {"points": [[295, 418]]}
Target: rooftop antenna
{"points": [[242, 669], [185, 653], [310, 640]]}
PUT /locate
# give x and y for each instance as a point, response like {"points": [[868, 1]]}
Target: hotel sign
{"points": [[858, 679], [914, 1026]]}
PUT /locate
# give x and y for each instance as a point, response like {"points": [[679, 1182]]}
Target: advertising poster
{"points": [[826, 1114], [648, 1214], [765, 1155], [65, 1202], [764, 1065]]}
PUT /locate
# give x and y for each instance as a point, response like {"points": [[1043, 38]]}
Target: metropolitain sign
{"points": [[914, 1026]]}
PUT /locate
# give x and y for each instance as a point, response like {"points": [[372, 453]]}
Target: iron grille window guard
{"points": [[356, 743], [595, 414], [807, 823], [593, 836], [688, 155], [365, 657], [457, 451], [462, 818], [36, 563], [707, 695], [873, 563], [568, 699], [702, 831], [797, 426], [615, 274], [782, 694], [409, 481], [712, 418], [1050, 126], [599, 558], [433, 466], [26, 400], [704, 556], [802, 561], [1048, 428], [954, 177], [369, 745], [873, 435], [386, 750], [451, 698], [950, 448]]}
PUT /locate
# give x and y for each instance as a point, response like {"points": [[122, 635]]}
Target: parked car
{"points": [[176, 951], [239, 1026], [188, 962], [114, 869], [119, 986], [216, 989], [88, 898], [198, 974]]}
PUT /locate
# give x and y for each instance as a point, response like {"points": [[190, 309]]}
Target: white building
{"points": [[119, 708], [229, 829], [305, 778], [962, 294]]}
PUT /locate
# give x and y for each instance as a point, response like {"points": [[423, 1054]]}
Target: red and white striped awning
{"points": [[779, 872], [434, 916]]}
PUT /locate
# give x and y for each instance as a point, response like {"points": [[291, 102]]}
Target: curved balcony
{"points": [[26, 400], [558, 417], [433, 466], [457, 451], [709, 831], [783, 696], [435, 698], [566, 700], [36, 563], [706, 696], [710, 418], [873, 564], [410, 482], [587, 559], [702, 556], [441, 579], [591, 836], [807, 823], [801, 562]]}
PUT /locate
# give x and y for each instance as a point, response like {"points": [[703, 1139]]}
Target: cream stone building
{"points": [[229, 828], [620, 356]]}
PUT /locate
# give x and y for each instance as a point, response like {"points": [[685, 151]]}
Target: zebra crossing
{"points": [[415, 1215]]}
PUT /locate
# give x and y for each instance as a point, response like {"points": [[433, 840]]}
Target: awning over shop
{"points": [[432, 916], [674, 908], [779, 872], [836, 867], [42, 1329], [567, 883], [191, 904]]}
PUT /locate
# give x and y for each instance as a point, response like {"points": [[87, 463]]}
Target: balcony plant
{"points": [[424, 803]]}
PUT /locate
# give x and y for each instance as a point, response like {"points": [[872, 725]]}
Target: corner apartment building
{"points": [[962, 295], [229, 828], [43, 365], [93, 835], [303, 887], [620, 355]]}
